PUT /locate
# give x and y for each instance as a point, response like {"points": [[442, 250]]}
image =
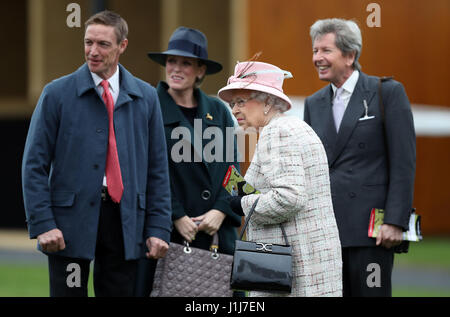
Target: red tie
{"points": [[113, 174]]}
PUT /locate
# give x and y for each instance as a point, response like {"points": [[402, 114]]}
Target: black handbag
{"points": [[259, 266]]}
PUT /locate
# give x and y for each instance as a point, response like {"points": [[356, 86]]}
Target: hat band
{"points": [[189, 47], [285, 73], [244, 78]]}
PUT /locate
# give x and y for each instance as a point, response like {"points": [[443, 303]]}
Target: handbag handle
{"points": [[214, 248], [248, 219]]}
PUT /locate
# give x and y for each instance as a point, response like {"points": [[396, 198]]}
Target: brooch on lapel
{"points": [[208, 116]]}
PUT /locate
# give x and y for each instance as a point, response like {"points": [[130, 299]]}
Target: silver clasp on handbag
{"points": [[186, 248], [214, 254], [266, 247]]}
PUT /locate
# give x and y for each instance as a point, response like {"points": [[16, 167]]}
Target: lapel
{"points": [[128, 86], [354, 111], [172, 116], [328, 134], [84, 81]]}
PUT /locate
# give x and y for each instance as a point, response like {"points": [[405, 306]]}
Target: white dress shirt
{"points": [[113, 84], [113, 88], [348, 88]]}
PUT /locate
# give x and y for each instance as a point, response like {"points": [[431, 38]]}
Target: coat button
{"points": [[362, 145], [99, 130], [352, 195], [96, 167], [206, 194], [92, 204]]}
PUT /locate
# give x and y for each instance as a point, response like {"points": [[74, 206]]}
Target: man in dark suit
{"points": [[371, 156], [95, 176]]}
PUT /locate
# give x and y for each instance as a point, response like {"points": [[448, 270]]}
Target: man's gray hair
{"points": [[347, 32]]}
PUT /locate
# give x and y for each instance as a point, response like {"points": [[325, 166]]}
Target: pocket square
{"points": [[366, 118]]}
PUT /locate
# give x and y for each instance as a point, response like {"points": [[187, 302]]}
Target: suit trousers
{"points": [[367, 271], [145, 274], [113, 275]]}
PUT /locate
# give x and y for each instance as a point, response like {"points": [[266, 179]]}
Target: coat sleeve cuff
{"points": [[157, 232], [232, 217], [35, 229]]}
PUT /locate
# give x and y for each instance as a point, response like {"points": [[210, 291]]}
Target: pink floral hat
{"points": [[257, 76]]}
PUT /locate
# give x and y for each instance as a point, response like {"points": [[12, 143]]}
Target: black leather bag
{"points": [[259, 266]]}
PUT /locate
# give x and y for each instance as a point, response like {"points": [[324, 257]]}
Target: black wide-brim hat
{"points": [[189, 43]]}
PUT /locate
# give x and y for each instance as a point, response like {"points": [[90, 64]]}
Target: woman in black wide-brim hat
{"points": [[196, 163]]}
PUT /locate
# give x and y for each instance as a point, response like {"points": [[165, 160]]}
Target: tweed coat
{"points": [[290, 170]]}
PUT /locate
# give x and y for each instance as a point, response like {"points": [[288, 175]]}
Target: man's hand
{"points": [[51, 241], [210, 222], [389, 236], [157, 248]]}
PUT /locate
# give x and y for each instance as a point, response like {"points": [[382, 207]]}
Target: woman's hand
{"points": [[186, 227], [210, 222]]}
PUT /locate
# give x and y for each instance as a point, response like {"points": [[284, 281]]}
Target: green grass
{"points": [[432, 252], [23, 281], [27, 280], [419, 292]]}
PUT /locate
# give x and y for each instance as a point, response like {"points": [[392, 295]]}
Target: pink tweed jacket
{"points": [[290, 170]]}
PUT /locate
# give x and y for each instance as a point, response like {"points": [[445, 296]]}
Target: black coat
{"points": [[196, 180]]}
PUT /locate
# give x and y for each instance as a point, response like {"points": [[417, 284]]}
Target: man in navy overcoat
{"points": [[67, 202]]}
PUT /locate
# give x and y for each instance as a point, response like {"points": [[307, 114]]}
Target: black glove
{"points": [[235, 204]]}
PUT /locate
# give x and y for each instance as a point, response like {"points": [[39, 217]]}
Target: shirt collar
{"points": [[350, 83], [113, 80]]}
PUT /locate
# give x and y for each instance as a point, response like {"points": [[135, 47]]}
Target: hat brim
{"points": [[226, 92], [212, 67]]}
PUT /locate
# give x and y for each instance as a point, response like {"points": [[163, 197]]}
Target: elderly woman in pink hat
{"points": [[290, 170]]}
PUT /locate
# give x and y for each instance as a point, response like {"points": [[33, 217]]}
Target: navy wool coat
{"points": [[65, 156]]}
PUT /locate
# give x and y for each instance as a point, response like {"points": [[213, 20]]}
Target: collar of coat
{"points": [[128, 85], [172, 114]]}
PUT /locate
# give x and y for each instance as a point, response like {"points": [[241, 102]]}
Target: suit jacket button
{"points": [[206, 194], [352, 195], [92, 204], [96, 167], [362, 145]]}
